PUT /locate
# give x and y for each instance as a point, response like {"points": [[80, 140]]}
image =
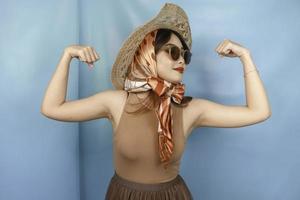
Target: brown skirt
{"points": [[123, 189]]}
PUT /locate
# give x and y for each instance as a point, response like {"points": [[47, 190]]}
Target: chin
{"points": [[175, 81], [178, 78], [174, 78]]}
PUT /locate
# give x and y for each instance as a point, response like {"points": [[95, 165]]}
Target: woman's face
{"points": [[166, 65]]}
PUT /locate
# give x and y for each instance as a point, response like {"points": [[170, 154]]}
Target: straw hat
{"points": [[170, 16]]}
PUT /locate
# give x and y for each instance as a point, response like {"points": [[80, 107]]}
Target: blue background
{"points": [[46, 159]]}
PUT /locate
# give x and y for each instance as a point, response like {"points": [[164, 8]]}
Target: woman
{"points": [[151, 117]]}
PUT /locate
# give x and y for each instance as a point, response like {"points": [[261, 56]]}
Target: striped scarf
{"points": [[143, 68]]}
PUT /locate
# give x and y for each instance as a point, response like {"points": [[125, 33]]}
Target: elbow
{"points": [[266, 115], [269, 113], [42, 110], [45, 111], [48, 110], [263, 113]]}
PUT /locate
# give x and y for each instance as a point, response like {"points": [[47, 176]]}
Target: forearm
{"points": [[256, 96], [56, 92]]}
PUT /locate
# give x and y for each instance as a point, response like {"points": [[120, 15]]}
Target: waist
{"points": [[146, 173], [146, 186]]}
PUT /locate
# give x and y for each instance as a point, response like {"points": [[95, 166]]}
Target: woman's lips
{"points": [[179, 69]]}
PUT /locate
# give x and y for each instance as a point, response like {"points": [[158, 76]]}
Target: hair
{"points": [[162, 37]]}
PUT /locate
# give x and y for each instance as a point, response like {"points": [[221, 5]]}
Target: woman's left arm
{"points": [[256, 96], [203, 112]]}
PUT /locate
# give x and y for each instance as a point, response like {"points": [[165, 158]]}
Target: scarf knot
{"points": [[164, 89]]}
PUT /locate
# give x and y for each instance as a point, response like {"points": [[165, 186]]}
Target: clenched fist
{"points": [[83, 53], [231, 49]]}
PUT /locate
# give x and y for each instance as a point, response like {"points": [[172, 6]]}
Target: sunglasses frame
{"points": [[167, 48]]}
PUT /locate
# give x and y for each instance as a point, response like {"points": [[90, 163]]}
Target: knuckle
{"points": [[81, 53]]}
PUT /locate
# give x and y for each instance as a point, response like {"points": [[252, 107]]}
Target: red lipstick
{"points": [[179, 69]]}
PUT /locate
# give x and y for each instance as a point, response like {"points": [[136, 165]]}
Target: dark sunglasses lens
{"points": [[187, 57], [175, 53]]}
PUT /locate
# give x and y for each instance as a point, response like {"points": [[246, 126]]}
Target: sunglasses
{"points": [[175, 52]]}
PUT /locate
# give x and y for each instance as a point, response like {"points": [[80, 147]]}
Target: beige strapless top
{"points": [[135, 146]]}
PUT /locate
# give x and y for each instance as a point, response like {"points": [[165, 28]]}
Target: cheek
{"points": [[163, 63]]}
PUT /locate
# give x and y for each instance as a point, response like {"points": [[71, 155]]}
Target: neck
{"points": [[143, 94]]}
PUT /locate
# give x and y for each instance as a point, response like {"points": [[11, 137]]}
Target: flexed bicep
{"points": [[211, 114], [90, 108]]}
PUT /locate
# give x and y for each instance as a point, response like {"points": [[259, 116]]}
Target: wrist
{"points": [[66, 57], [245, 56], [67, 54]]}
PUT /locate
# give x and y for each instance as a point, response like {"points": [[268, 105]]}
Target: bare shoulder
{"points": [[190, 114], [116, 102]]}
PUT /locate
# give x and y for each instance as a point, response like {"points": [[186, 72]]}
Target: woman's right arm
{"points": [[56, 92], [56, 107]]}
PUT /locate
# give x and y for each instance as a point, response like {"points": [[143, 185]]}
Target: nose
{"points": [[181, 60]]}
